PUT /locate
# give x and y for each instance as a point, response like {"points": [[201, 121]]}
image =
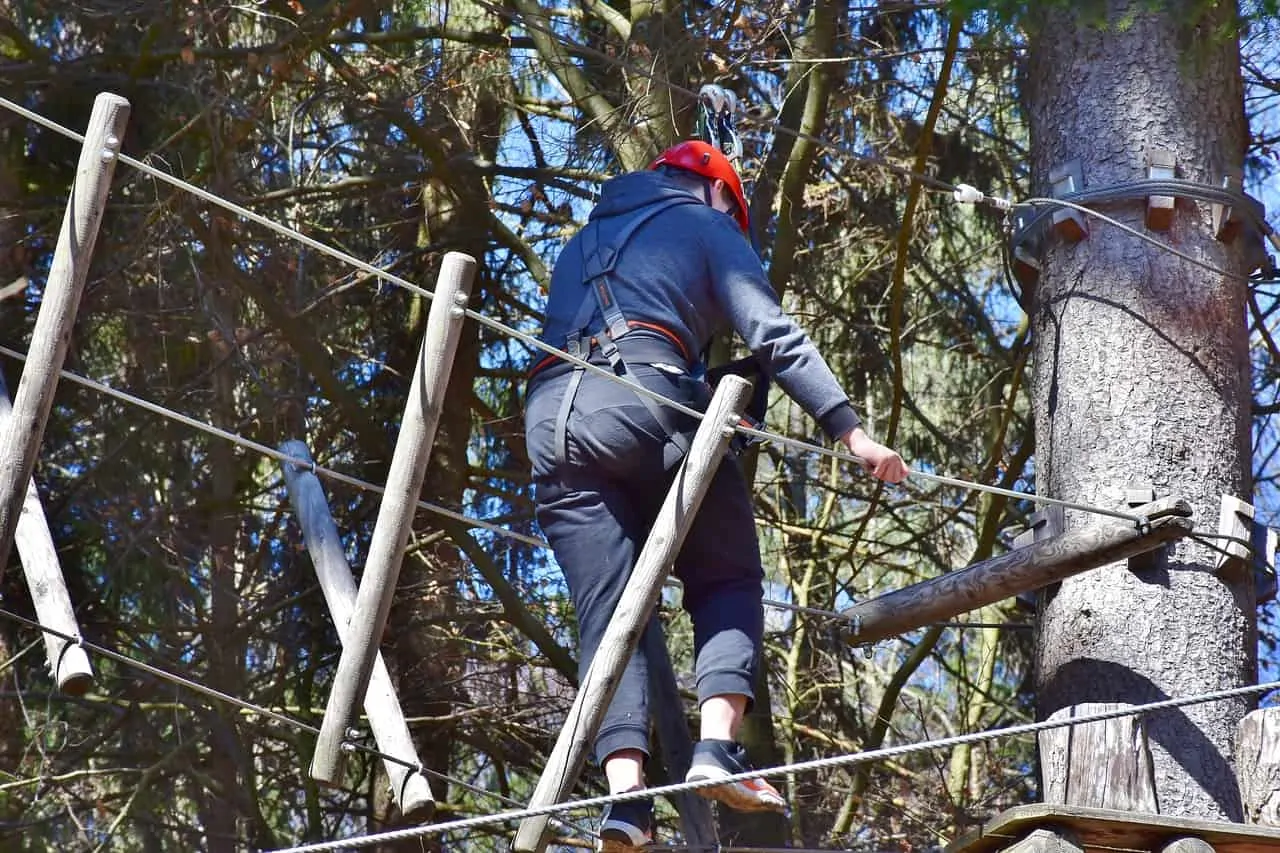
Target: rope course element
{"points": [[798, 767], [496, 529], [1183, 189], [533, 341]]}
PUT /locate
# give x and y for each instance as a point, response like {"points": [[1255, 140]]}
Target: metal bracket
{"points": [[1041, 525], [1235, 519], [1226, 219], [1025, 258], [1264, 563], [1066, 223], [1136, 495], [1161, 165]]}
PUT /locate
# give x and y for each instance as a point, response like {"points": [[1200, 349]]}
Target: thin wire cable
{"points": [[226, 204], [275, 716], [1146, 238], [165, 675], [329, 473], [271, 452], [533, 341], [798, 767]]}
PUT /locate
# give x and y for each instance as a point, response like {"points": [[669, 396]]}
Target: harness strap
{"points": [[598, 263], [562, 416]]}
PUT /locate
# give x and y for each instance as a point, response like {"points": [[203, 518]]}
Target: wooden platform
{"points": [[1109, 831]]}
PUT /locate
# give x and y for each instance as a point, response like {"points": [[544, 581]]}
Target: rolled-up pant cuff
{"points": [[621, 737], [726, 682]]}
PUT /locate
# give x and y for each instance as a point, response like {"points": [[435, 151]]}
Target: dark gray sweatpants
{"points": [[596, 510]]}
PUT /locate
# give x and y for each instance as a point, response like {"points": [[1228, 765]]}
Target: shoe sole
{"points": [[617, 845], [736, 795]]}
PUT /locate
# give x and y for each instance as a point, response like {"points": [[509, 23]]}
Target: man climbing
{"points": [[656, 272]]}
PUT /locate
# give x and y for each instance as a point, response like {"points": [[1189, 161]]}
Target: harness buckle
{"points": [[610, 350]]}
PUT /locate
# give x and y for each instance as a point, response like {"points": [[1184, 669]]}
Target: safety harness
{"points": [[598, 263]]}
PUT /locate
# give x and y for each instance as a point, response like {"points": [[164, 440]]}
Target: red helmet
{"points": [[708, 161]]}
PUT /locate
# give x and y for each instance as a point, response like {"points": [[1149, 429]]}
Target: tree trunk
{"points": [[1142, 377]]}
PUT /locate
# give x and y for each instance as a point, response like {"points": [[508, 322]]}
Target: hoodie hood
{"points": [[635, 190]]}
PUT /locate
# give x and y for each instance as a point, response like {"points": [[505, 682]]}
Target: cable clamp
{"points": [[968, 194]]}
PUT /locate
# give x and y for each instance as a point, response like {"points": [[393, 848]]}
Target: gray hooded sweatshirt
{"points": [[690, 271]]}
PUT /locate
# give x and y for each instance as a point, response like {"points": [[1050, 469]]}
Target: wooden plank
{"points": [[20, 442], [1103, 764], [633, 611], [68, 662], [1107, 830], [395, 515], [381, 706], [1108, 540], [1258, 766]]}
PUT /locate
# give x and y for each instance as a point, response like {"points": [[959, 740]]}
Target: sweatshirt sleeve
{"points": [[748, 301]]}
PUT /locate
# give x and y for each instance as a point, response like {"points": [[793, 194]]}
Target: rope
{"points": [[869, 756]]}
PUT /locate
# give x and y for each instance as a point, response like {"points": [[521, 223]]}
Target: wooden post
{"points": [[696, 820], [395, 515], [20, 443], [1046, 841], [390, 731], [1107, 540], [1105, 764], [1188, 844], [1258, 766], [637, 603], [68, 663]]}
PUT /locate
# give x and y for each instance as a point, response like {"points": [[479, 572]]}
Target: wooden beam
{"points": [[697, 823], [395, 515], [20, 443], [48, 587], [1109, 829], [1105, 764], [1107, 540], [638, 599], [324, 544]]}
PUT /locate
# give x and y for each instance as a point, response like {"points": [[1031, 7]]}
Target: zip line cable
{"points": [[774, 125], [866, 757]]}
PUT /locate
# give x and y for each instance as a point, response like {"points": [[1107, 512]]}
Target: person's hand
{"points": [[881, 462]]}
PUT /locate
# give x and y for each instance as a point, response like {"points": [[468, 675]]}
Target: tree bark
{"points": [[1142, 376]]}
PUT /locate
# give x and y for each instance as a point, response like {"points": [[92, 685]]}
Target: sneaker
{"points": [[626, 826], [717, 759]]}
